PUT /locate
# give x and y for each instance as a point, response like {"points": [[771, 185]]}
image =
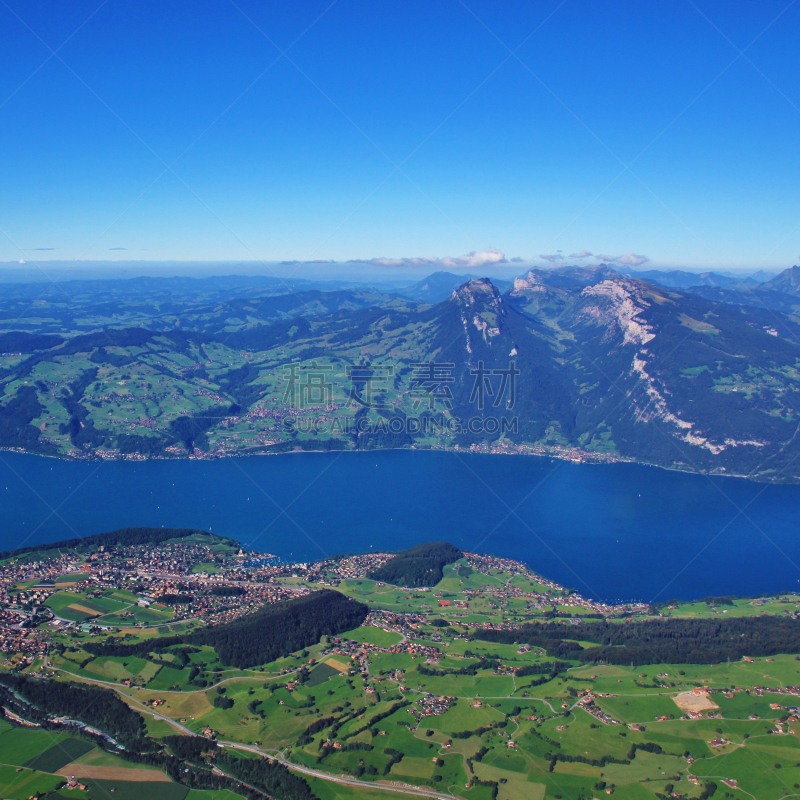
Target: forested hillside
{"points": [[124, 537], [275, 630], [100, 708], [574, 359], [688, 641], [421, 565]]}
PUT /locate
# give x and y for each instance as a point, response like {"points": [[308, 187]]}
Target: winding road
{"points": [[398, 788]]}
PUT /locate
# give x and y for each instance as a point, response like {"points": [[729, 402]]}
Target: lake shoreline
{"points": [[571, 455], [616, 532]]}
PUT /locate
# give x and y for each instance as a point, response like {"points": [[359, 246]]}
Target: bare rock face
{"points": [[475, 291], [617, 305], [481, 308], [530, 283]]}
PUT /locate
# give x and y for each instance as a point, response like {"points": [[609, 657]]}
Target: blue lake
{"points": [[614, 532]]}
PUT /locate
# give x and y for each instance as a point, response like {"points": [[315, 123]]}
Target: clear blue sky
{"points": [[177, 130]]}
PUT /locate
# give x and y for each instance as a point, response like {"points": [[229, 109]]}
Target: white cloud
{"points": [[388, 262], [477, 258], [552, 258], [582, 254], [628, 260], [632, 260]]}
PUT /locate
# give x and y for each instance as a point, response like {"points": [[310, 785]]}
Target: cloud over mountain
{"points": [[477, 258], [632, 260], [628, 260]]}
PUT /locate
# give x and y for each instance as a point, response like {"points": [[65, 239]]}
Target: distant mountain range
{"points": [[441, 285], [571, 360], [679, 279]]}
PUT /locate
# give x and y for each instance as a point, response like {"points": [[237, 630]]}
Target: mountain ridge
{"points": [[574, 360]]}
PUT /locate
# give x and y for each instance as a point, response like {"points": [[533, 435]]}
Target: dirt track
{"points": [[688, 701], [112, 773], [85, 610]]}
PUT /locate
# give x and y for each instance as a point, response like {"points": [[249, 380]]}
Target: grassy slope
{"points": [[266, 713]]}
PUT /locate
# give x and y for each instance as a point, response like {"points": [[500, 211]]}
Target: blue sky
{"points": [[438, 128]]}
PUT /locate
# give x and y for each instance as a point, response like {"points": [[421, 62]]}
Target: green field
{"points": [[320, 674], [20, 784], [18, 745], [135, 790], [372, 635], [448, 711], [116, 608], [59, 755]]}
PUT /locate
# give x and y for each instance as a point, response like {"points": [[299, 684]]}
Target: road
{"points": [[415, 791], [273, 756], [168, 576]]}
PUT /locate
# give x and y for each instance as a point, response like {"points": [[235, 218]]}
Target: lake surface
{"points": [[614, 532]]}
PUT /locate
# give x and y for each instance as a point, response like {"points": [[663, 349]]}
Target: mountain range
{"points": [[571, 360]]}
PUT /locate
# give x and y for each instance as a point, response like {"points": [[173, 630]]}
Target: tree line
{"points": [[98, 708], [275, 630], [39, 700], [124, 537], [421, 565], [670, 641]]}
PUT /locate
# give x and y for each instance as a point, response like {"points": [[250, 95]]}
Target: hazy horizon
{"points": [[660, 135], [352, 271]]}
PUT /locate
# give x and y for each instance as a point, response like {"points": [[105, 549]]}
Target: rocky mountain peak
{"points": [[532, 282], [476, 290], [788, 281], [481, 308], [590, 274], [617, 304]]}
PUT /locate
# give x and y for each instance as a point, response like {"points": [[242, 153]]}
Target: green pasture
{"points": [[208, 567], [266, 713], [327, 790], [60, 601], [639, 709], [119, 668], [96, 757], [59, 755], [18, 745], [484, 684], [135, 790], [513, 784], [368, 634], [739, 607], [20, 784], [320, 674]]}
